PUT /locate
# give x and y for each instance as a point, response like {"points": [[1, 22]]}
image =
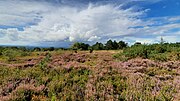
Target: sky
{"points": [[60, 23]]}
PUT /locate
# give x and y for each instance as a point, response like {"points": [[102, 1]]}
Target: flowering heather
{"points": [[85, 76]]}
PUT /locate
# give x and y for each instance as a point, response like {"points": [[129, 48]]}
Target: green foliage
{"points": [[120, 56], [118, 82], [23, 95], [152, 71], [104, 83], [69, 85], [80, 46], [167, 93], [159, 52], [11, 54], [37, 49], [44, 62], [137, 51], [122, 44], [110, 45], [98, 46], [53, 98], [161, 49], [93, 80], [137, 43], [62, 84], [48, 49], [159, 57]]}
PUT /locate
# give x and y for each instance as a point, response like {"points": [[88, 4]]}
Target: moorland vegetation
{"points": [[110, 71]]}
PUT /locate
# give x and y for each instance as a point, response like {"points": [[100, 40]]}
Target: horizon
{"points": [[59, 23], [67, 47]]}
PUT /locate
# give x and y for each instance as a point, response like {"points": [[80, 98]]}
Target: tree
{"points": [[109, 45], [137, 43], [23, 48], [115, 45], [98, 46], [122, 44], [51, 48], [162, 40], [37, 49], [80, 46]]}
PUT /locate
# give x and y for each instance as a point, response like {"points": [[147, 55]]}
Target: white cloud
{"points": [[20, 13], [45, 22], [75, 24]]}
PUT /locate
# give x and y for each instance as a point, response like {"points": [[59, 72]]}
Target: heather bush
{"points": [[68, 85], [11, 54], [120, 56], [159, 57], [108, 83], [44, 62], [22, 95], [147, 89], [61, 75]]}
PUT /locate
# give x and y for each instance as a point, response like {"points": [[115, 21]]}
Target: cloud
{"points": [[74, 24], [45, 22]]}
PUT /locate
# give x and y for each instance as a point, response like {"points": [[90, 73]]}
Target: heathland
{"points": [[137, 73]]}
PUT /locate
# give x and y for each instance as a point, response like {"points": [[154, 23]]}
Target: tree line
{"points": [[109, 45]]}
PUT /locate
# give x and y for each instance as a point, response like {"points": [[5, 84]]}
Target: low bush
{"points": [[159, 52], [11, 54]]}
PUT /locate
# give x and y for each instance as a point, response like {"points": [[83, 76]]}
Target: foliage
{"points": [[37, 49], [98, 78], [159, 52], [63, 75], [109, 45], [80, 46], [122, 44], [98, 46], [12, 53]]}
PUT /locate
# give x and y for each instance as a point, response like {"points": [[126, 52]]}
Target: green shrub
{"points": [[159, 52], [11, 54], [23, 95], [69, 85], [120, 56], [44, 62], [137, 51], [159, 57]]}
